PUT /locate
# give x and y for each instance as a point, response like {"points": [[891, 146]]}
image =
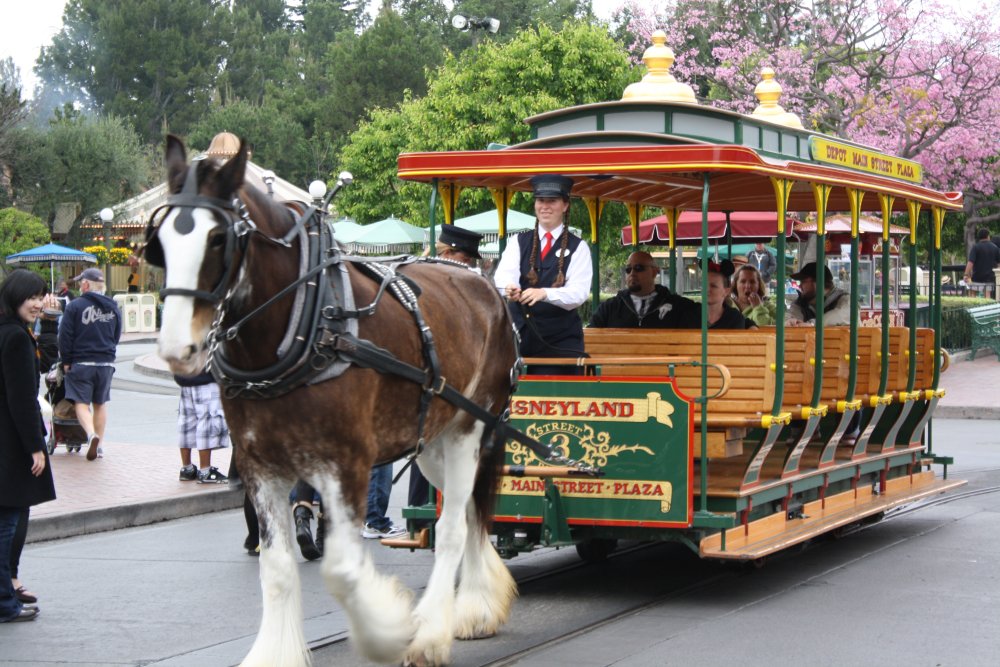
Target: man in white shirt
{"points": [[545, 274]]}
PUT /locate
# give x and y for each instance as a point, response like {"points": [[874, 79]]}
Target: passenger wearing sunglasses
{"points": [[643, 303]]}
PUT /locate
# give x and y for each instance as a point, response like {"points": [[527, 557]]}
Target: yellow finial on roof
{"points": [[659, 84], [768, 92]]}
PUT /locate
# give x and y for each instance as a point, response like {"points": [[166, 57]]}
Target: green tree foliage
{"points": [[258, 38], [12, 107], [153, 63], [93, 161], [323, 21], [477, 98], [373, 70], [277, 139], [20, 231]]}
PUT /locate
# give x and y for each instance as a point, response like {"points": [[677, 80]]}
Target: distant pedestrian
{"points": [[761, 259], [201, 426], [88, 340], [377, 524], [25, 476], [983, 258]]}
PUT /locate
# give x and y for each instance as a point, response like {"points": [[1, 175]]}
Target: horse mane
{"points": [[265, 211]]}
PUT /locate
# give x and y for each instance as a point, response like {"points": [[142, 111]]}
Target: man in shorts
{"points": [[202, 427], [88, 339]]}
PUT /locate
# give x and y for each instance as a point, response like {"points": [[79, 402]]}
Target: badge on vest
{"points": [[563, 252]]}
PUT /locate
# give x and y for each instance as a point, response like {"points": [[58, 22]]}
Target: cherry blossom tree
{"points": [[915, 78]]}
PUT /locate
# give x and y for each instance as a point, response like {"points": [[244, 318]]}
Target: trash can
{"points": [[129, 305], [147, 312]]}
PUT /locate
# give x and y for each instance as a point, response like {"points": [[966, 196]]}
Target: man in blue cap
{"points": [[546, 274]]}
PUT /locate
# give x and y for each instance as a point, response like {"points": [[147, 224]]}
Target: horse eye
{"points": [[216, 240]]}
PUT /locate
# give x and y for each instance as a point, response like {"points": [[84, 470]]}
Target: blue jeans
{"points": [[9, 606], [379, 488]]}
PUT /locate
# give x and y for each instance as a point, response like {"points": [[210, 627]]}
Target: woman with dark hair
{"points": [[545, 274], [750, 296], [25, 476], [721, 313]]}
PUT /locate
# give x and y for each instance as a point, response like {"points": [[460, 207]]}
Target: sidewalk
{"points": [[136, 484]]}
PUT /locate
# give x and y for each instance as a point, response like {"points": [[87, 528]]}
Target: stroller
{"points": [[64, 429]]}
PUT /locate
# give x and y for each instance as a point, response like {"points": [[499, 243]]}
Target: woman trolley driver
{"points": [[546, 275]]}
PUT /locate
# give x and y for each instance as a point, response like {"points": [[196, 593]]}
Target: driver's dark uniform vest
{"points": [[552, 331]]}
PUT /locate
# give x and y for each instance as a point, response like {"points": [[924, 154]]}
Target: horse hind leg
{"points": [[378, 607], [435, 613], [486, 589], [280, 640]]}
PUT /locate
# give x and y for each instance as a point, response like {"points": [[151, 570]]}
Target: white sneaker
{"points": [[392, 530]]}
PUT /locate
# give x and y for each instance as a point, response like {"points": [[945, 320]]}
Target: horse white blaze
{"points": [[179, 343]]}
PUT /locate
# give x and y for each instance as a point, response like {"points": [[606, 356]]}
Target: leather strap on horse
{"points": [[368, 355]]}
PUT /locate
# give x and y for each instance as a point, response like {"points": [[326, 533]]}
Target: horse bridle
{"points": [[237, 224]]}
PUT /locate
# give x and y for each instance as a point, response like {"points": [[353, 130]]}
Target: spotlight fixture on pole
{"points": [[463, 23]]}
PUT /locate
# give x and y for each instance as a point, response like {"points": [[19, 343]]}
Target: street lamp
{"points": [[107, 215], [463, 23], [268, 177]]}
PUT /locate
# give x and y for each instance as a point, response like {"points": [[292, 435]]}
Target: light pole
{"points": [[107, 215], [464, 23]]}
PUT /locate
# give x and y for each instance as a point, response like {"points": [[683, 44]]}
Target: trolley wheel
{"points": [[596, 550]]}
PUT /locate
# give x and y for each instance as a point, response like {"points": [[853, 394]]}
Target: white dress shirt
{"points": [[579, 273]]}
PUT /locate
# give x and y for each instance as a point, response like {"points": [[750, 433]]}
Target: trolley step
{"points": [[771, 534]]}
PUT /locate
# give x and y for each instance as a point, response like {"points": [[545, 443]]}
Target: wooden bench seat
{"points": [[748, 355]]}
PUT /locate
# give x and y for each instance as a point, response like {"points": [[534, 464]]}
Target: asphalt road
{"points": [[919, 589]]}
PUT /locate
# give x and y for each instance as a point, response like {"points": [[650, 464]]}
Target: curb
{"points": [[152, 366], [75, 524], [966, 412]]}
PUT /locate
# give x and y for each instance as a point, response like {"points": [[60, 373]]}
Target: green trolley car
{"points": [[737, 443]]}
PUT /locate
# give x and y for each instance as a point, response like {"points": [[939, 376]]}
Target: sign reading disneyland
{"points": [[638, 432]]}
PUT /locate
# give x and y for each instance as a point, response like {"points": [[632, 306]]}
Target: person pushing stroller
{"points": [[88, 340]]}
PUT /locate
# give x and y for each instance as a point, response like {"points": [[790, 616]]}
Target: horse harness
{"points": [[327, 327]]}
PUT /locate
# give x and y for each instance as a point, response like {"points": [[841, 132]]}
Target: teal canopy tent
{"points": [[391, 235], [51, 253]]}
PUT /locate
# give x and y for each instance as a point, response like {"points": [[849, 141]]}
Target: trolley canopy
{"points": [[666, 176]]}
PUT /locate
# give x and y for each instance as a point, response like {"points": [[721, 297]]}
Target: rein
{"points": [[322, 335]]}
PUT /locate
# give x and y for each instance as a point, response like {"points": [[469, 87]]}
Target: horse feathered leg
{"points": [[379, 607], [280, 640], [435, 612], [486, 589]]}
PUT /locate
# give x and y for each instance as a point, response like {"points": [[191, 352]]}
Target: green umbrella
{"points": [[388, 236]]}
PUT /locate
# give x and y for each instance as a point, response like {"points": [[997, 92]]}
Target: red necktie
{"points": [[548, 244]]}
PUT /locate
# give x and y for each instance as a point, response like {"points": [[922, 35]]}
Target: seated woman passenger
{"points": [[750, 296], [721, 313], [836, 304]]}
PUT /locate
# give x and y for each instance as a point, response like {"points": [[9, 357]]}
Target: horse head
{"points": [[196, 238]]}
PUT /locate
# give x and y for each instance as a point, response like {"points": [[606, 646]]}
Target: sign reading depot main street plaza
{"points": [[638, 431]]}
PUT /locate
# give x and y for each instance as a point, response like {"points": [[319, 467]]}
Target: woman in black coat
{"points": [[25, 476]]}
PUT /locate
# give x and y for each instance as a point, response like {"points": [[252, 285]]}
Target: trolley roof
{"points": [[656, 146]]}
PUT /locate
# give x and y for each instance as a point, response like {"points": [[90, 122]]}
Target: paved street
{"points": [[182, 592]]}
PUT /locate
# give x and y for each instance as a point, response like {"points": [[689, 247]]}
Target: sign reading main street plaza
{"points": [[638, 431]]}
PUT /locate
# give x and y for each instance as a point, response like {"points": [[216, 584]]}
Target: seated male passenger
{"points": [[643, 303], [836, 305]]}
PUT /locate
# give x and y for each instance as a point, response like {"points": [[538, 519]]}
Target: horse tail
{"points": [[485, 489]]}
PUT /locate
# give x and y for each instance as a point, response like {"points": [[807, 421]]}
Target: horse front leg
{"points": [[280, 640], [378, 607], [435, 612]]}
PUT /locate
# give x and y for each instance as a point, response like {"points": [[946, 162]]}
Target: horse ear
{"points": [[175, 157], [230, 177]]}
